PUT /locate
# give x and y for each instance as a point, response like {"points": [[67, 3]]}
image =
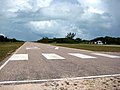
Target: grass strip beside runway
{"points": [[6, 48], [93, 47]]}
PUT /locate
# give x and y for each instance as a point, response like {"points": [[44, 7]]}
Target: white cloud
{"points": [[21, 5], [95, 10], [2, 34], [63, 10], [87, 3], [9, 8], [43, 3], [55, 18], [43, 24], [51, 28], [93, 5]]}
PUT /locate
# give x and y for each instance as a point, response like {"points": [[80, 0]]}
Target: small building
{"points": [[98, 42]]}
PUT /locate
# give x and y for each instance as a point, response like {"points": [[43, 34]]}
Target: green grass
{"points": [[6, 48], [92, 47]]}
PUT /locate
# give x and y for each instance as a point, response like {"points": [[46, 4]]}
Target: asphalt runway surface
{"points": [[35, 61]]}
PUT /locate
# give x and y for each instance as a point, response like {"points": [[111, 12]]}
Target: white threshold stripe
{"points": [[8, 59], [52, 56], [19, 57], [106, 55], [81, 55], [59, 79]]}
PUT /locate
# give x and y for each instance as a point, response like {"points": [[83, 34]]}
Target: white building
{"points": [[98, 42]]}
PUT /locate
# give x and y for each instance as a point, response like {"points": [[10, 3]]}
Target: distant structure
{"points": [[98, 42]]}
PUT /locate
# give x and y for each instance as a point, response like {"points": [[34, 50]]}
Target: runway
{"points": [[35, 61]]}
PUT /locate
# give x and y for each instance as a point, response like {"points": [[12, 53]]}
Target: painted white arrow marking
{"points": [[28, 48], [56, 48]]}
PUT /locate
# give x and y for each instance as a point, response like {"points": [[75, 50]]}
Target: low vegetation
{"points": [[92, 47], [7, 48]]}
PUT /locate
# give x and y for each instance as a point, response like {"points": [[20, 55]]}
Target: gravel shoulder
{"points": [[106, 83]]}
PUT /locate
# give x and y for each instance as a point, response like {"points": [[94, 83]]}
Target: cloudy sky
{"points": [[33, 19]]}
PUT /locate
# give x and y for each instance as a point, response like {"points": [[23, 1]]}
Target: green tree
{"points": [[78, 40], [70, 35], [1, 38]]}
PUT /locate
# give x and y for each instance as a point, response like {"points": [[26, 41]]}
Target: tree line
{"points": [[5, 39], [107, 40], [69, 38]]}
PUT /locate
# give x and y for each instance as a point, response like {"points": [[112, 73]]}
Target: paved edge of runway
{"points": [[59, 79]]}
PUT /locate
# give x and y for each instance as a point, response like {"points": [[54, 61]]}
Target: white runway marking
{"points": [[59, 79], [106, 55], [52, 56], [19, 57], [81, 55], [28, 48]]}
